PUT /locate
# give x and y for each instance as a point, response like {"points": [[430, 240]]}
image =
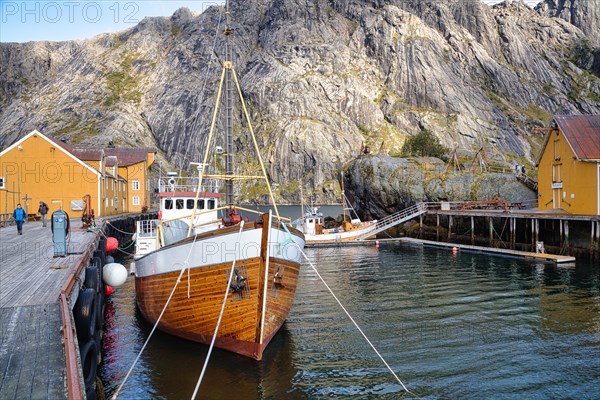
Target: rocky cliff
{"points": [[322, 78]]}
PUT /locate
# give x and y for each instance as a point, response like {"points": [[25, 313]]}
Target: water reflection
{"points": [[450, 325]]}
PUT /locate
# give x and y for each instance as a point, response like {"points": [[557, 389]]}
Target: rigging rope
{"points": [[212, 343], [354, 322], [183, 269]]}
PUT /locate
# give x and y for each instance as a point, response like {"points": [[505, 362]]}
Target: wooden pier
{"points": [[38, 349]]}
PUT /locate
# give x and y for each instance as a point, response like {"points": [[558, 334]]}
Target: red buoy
{"points": [[111, 244], [108, 290]]}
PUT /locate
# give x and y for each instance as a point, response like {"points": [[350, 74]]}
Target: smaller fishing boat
{"points": [[312, 225]]}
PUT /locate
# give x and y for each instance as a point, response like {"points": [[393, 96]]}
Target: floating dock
{"points": [[492, 250], [39, 357]]}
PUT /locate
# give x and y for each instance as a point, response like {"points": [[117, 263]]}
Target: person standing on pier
{"points": [[43, 210], [19, 216]]}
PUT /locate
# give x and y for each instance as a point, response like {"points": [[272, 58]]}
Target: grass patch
{"points": [[123, 84]]}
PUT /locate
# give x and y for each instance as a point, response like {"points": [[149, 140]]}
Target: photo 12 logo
{"points": [[54, 12]]}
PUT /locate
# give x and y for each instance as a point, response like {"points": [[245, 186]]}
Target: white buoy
{"points": [[114, 274]]}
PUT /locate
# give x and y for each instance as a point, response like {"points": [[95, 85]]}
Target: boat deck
{"points": [[32, 355]]}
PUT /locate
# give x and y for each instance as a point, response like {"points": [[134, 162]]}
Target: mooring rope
{"points": [[212, 343], [117, 229], [354, 322]]}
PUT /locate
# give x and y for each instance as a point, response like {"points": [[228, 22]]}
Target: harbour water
{"points": [[451, 326]]}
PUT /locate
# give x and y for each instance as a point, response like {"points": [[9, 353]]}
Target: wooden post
{"points": [[449, 227], [592, 242], [437, 228], [491, 231], [567, 235], [533, 234], [512, 233], [472, 230], [560, 231], [537, 231]]}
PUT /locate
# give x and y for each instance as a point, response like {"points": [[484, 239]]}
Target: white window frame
{"points": [[135, 200], [135, 184]]}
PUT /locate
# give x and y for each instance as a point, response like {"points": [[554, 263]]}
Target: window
{"points": [[179, 204], [556, 149], [2, 182], [168, 204], [211, 204], [135, 200], [200, 204], [135, 185], [190, 204]]}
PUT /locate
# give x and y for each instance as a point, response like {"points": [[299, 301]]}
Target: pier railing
{"points": [[6, 220]]}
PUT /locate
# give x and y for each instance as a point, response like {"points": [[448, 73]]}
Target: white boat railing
{"points": [[146, 228], [185, 184]]}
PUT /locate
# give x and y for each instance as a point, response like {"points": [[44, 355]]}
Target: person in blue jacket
{"points": [[19, 216]]}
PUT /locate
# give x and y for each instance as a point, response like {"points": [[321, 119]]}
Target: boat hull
{"points": [[341, 236], [243, 329]]}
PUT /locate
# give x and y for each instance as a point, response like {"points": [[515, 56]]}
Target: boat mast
{"points": [[343, 198], [228, 112]]}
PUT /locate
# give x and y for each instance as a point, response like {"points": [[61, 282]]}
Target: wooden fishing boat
{"points": [[232, 279]]}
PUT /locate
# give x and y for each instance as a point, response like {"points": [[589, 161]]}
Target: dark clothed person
{"points": [[43, 210]]}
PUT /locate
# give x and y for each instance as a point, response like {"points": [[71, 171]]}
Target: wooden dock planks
{"points": [[32, 356]]}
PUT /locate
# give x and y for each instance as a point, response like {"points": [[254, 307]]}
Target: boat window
{"points": [[211, 204], [190, 204], [168, 204], [201, 204], [179, 204], [310, 221]]}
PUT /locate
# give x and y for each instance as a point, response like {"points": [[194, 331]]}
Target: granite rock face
{"points": [[323, 79], [381, 185]]}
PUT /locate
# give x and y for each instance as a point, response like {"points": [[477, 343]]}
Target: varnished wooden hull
{"points": [[242, 329]]}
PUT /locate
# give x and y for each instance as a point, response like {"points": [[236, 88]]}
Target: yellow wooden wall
{"points": [[579, 192], [41, 170], [139, 172]]}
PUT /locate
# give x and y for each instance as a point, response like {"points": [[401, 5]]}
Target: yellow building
{"points": [[569, 166], [40, 168], [131, 166]]}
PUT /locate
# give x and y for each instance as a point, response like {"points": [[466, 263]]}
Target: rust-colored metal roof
{"points": [[583, 134], [128, 156], [60, 143], [88, 154]]}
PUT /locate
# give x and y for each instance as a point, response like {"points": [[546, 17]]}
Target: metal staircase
{"points": [[397, 218]]}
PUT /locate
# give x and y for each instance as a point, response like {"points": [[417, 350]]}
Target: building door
{"points": [[556, 186]]}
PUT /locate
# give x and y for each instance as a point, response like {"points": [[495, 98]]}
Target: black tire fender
{"points": [[84, 314], [92, 279], [89, 364]]}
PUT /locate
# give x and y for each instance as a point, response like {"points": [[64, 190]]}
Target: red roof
{"points": [[583, 134], [128, 155], [88, 154]]}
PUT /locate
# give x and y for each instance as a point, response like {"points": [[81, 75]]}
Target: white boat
{"points": [[312, 225], [191, 256]]}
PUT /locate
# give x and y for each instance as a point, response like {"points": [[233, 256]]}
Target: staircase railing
{"points": [[397, 218]]}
